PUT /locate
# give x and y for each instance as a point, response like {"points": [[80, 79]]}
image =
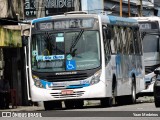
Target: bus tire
{"points": [[110, 102], [78, 104], [50, 105], [120, 100], [69, 104], [47, 105], [114, 86], [132, 98], [157, 102], [106, 102]]}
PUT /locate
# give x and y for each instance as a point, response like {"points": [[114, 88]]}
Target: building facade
{"points": [[11, 50], [113, 6], [41, 8]]}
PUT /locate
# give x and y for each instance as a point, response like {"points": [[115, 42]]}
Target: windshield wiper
{"points": [[75, 41]]}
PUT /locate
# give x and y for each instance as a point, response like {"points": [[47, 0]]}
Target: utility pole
{"points": [[120, 4], [129, 12], [140, 8]]}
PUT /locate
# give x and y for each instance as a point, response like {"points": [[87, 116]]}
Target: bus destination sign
{"points": [[145, 26], [73, 23], [66, 24], [148, 25], [46, 26]]}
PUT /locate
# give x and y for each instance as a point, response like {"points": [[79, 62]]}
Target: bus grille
{"points": [[58, 78], [75, 94]]}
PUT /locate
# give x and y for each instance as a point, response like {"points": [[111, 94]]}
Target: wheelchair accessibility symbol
{"points": [[71, 65]]}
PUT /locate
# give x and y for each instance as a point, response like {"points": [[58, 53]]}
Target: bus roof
{"points": [[105, 18], [122, 20], [114, 19], [63, 16], [41, 19], [151, 18]]}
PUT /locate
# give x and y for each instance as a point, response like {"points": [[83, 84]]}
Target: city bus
{"points": [[150, 30], [78, 56]]}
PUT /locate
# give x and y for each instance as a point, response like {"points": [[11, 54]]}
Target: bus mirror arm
{"points": [[25, 36]]}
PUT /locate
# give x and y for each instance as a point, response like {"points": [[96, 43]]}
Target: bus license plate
{"points": [[66, 92]]}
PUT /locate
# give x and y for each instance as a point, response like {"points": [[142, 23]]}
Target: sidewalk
{"points": [[24, 108]]}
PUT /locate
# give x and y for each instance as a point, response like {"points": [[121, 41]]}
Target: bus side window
{"points": [[139, 40], [136, 41], [123, 32], [131, 41], [126, 43], [107, 36], [120, 45], [113, 41]]}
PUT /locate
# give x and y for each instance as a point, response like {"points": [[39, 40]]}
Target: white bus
{"points": [[76, 57], [150, 29]]}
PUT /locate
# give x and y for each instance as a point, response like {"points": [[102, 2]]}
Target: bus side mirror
{"points": [[25, 36], [157, 72], [24, 40]]}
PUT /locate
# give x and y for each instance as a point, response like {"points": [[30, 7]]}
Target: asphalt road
{"points": [[142, 110]]}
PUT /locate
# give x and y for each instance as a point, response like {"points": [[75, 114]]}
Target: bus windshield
{"points": [[150, 43], [65, 51]]}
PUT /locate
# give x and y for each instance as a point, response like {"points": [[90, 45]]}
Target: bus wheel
{"points": [[120, 100], [157, 102], [103, 102], [132, 98], [107, 102], [69, 104], [79, 104], [110, 101], [47, 105], [50, 105]]}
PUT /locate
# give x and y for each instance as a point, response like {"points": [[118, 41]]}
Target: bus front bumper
{"points": [[93, 91]]}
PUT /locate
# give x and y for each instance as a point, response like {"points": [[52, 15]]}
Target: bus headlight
{"points": [[96, 78], [37, 82]]}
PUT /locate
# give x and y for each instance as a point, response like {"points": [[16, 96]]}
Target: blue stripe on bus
{"points": [[115, 19], [42, 19], [45, 83], [77, 86]]}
